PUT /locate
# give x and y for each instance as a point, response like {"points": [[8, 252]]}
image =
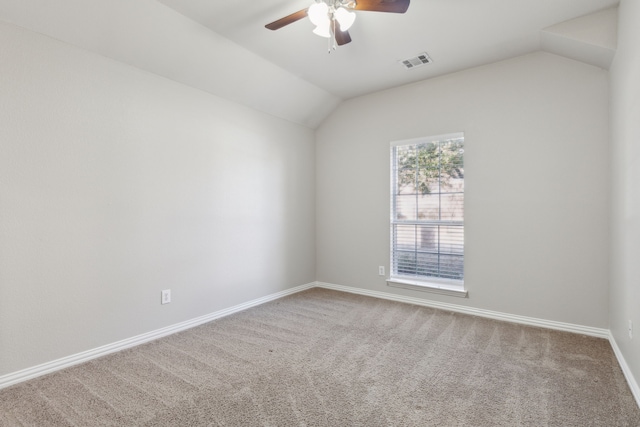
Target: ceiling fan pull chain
{"points": [[332, 39]]}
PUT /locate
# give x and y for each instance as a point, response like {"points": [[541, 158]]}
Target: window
{"points": [[427, 211]]}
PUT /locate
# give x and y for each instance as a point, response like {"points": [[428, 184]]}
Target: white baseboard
{"points": [[633, 384], [531, 321], [85, 356]]}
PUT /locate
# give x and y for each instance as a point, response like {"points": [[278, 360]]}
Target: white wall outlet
{"points": [[630, 329], [381, 270], [166, 296]]}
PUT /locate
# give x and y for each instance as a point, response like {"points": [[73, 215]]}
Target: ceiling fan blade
{"points": [[289, 19], [392, 6], [342, 37]]}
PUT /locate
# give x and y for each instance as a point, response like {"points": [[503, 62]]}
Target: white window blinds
{"points": [[427, 208]]}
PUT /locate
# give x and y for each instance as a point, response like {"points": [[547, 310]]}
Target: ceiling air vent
{"points": [[417, 61]]}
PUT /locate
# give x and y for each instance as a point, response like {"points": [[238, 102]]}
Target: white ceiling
{"points": [[457, 34], [222, 47]]}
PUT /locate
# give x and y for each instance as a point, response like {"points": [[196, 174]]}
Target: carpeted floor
{"points": [[326, 358]]}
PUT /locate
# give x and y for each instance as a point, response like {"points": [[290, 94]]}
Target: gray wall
{"points": [[116, 184], [625, 189], [537, 184]]}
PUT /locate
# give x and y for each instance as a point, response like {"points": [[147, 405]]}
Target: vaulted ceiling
{"points": [[222, 47], [457, 34]]}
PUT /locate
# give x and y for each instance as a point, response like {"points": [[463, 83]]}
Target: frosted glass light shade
{"points": [[318, 13], [323, 30], [345, 18]]}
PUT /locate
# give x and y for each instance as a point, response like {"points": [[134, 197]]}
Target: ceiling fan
{"points": [[333, 18]]}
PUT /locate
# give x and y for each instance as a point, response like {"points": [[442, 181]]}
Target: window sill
{"points": [[451, 289]]}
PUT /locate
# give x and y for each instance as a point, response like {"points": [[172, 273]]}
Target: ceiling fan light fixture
{"points": [[323, 30], [333, 18], [319, 13], [345, 18]]}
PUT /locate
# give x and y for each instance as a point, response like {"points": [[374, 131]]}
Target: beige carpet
{"points": [[326, 358]]}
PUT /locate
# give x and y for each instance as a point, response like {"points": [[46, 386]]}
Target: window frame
{"points": [[434, 284]]}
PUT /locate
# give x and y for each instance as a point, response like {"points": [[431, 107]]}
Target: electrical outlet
{"points": [[381, 270], [630, 329], [166, 296]]}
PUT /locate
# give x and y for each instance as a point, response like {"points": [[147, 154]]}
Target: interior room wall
{"points": [[625, 188], [536, 178], [116, 184]]}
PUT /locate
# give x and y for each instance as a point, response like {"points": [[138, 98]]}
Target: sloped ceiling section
{"points": [[591, 39], [156, 38], [457, 35]]}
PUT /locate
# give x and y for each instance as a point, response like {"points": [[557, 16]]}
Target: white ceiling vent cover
{"points": [[417, 61]]}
